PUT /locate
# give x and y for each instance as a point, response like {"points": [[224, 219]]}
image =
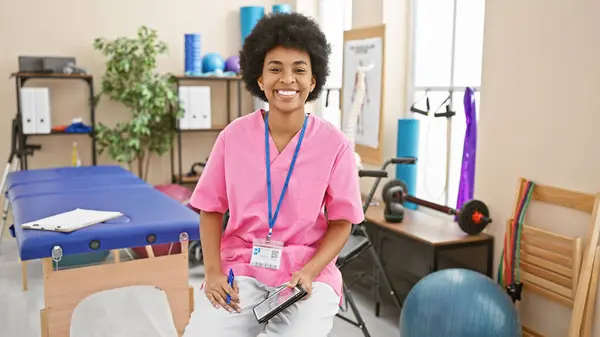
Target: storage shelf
{"points": [[207, 78], [216, 128], [24, 75], [19, 147], [178, 176], [62, 133], [185, 179]]}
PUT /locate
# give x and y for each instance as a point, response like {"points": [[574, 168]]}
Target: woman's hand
{"points": [[216, 289], [304, 279]]}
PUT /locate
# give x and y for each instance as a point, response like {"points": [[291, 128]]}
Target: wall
{"points": [[395, 15], [69, 28], [539, 114]]}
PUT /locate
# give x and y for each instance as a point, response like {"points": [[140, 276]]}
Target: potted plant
{"points": [[131, 78]]}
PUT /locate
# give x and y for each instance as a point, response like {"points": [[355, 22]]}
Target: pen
{"points": [[230, 281]]}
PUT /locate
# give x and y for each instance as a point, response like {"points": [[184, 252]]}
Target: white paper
{"points": [[72, 220]]}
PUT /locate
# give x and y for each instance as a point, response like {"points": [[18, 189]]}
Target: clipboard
{"points": [[72, 220]]}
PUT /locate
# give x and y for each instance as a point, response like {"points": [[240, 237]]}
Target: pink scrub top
{"points": [[234, 178]]}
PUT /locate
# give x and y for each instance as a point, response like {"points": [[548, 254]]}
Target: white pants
{"points": [[309, 317]]}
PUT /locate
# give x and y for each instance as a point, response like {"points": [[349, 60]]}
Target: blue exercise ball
{"points": [[458, 303], [212, 62]]}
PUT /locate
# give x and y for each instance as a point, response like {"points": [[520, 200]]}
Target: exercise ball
{"points": [[233, 64], [212, 62], [458, 303]]}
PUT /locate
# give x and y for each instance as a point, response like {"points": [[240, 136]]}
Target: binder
{"points": [[184, 98], [43, 116], [35, 110], [28, 119], [200, 108]]}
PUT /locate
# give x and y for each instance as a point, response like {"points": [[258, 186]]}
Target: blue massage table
{"points": [[46, 181], [150, 217], [92, 183], [63, 173]]}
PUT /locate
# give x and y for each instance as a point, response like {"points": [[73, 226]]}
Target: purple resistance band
{"points": [[467, 172]]}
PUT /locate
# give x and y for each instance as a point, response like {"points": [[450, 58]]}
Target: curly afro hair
{"points": [[289, 30]]}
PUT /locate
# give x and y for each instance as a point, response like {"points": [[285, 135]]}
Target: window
{"points": [[447, 57], [335, 16]]}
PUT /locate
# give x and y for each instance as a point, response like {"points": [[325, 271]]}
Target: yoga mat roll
{"points": [[408, 146], [249, 16], [282, 8], [193, 53]]}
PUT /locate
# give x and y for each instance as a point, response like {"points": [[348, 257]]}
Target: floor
{"points": [[19, 310]]}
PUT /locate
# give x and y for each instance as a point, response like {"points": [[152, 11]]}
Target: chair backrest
{"points": [[550, 263]]}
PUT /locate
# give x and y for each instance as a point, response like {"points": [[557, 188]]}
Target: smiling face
{"points": [[287, 79]]}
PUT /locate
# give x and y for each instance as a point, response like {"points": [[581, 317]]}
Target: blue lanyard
{"points": [[273, 217]]}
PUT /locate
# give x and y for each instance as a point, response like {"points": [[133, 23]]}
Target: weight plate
{"points": [[465, 219], [389, 185]]}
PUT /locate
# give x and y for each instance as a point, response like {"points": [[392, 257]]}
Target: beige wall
{"points": [[69, 27], [538, 107], [395, 15], [539, 114]]}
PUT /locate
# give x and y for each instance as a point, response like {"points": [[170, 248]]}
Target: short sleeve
{"points": [[210, 194], [343, 200]]}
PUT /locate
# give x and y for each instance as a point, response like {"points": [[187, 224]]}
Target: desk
{"points": [[150, 217], [436, 234]]}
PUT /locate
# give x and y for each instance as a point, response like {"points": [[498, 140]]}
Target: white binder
{"points": [[42, 111], [35, 110], [184, 98], [28, 119], [200, 108]]}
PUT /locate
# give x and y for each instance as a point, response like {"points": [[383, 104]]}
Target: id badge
{"points": [[266, 254]]}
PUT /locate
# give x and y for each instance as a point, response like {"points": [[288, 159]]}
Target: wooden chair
{"points": [[551, 264]]}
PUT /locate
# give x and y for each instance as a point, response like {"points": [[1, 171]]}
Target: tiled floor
{"points": [[19, 310]]}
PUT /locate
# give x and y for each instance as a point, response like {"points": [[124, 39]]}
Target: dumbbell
{"points": [[473, 216]]}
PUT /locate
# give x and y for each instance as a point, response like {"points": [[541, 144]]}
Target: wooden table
{"points": [[65, 289], [434, 233]]}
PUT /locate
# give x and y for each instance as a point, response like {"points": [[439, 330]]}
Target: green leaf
{"points": [[131, 79]]}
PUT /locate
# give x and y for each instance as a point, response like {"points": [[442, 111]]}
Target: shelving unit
{"points": [[20, 80], [180, 177]]}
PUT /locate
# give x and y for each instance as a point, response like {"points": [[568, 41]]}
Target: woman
{"points": [[284, 61]]}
